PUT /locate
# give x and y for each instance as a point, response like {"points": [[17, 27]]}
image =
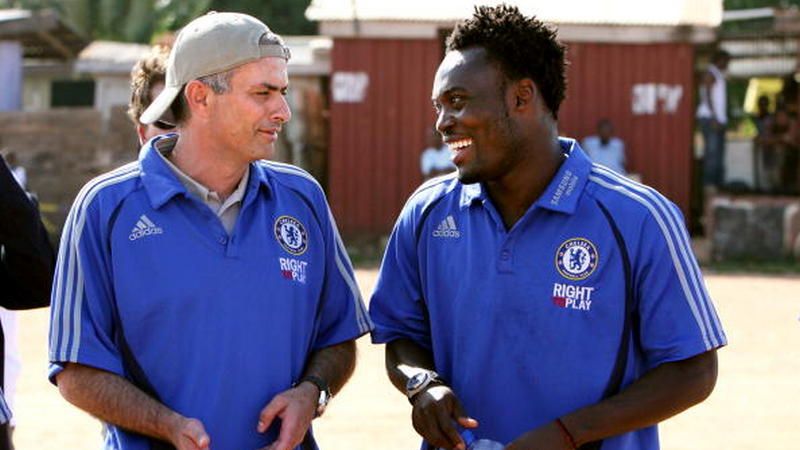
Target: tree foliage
{"points": [[144, 20], [747, 4]]}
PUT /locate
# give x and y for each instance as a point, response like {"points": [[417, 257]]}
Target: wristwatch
{"points": [[324, 392], [420, 381]]}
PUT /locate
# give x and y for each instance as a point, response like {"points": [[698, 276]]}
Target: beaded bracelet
{"points": [[567, 435]]}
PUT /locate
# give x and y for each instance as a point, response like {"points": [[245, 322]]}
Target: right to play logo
{"points": [[293, 269], [572, 297]]}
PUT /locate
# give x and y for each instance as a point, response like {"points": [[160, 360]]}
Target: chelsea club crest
{"points": [[576, 259], [291, 234]]}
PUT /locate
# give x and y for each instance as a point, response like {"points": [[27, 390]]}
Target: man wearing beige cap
{"points": [[203, 297]]}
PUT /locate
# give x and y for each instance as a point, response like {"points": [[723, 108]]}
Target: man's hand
{"points": [[296, 408], [435, 415], [114, 399], [189, 434], [546, 437]]}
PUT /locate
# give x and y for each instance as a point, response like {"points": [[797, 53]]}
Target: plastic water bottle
{"points": [[480, 444], [486, 444]]}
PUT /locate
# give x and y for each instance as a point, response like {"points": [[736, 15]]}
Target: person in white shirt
{"points": [[712, 117], [606, 149], [436, 158]]}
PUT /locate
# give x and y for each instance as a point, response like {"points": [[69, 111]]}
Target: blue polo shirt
{"points": [[526, 324], [219, 323]]}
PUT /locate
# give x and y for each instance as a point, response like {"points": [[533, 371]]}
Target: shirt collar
{"points": [[160, 183], [259, 179], [471, 193], [564, 190], [202, 192], [566, 187], [163, 180]]}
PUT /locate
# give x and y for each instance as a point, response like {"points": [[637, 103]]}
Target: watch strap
{"points": [[321, 384], [324, 391]]}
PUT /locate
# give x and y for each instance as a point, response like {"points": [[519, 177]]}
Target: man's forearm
{"points": [[114, 399], [334, 364], [404, 358], [658, 395]]}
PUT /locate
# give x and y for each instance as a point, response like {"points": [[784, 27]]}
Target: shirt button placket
{"points": [[504, 262]]}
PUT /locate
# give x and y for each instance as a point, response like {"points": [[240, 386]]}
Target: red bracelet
{"points": [[566, 434]]}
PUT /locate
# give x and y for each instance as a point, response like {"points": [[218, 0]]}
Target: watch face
{"points": [[416, 381], [324, 397]]}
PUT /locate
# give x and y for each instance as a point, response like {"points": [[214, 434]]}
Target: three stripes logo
{"points": [[447, 229], [144, 227]]}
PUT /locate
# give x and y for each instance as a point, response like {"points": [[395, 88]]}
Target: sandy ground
{"points": [[755, 404]]}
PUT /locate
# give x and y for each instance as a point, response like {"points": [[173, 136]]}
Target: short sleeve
{"points": [[397, 306], [343, 316], [677, 317], [81, 315]]}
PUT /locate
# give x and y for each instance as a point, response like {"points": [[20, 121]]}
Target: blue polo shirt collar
{"points": [[259, 181], [563, 192], [471, 193], [162, 184], [566, 187]]}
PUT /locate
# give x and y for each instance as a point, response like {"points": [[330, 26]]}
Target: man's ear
{"points": [[525, 93], [197, 97], [140, 132]]}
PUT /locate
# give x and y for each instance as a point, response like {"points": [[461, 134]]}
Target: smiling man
{"points": [[533, 298], [203, 297]]}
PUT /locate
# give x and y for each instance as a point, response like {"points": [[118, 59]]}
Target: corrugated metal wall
{"points": [[376, 143], [646, 90]]}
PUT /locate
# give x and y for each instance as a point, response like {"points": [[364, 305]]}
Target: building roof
{"points": [[310, 56], [110, 57], [589, 12], [42, 33]]}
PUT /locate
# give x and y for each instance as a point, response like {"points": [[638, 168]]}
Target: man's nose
{"points": [[283, 114]]}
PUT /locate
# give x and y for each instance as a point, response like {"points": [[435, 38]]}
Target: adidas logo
{"points": [[144, 227], [447, 229]]}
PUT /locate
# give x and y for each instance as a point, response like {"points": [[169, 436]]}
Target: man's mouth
{"points": [[459, 144], [271, 132]]}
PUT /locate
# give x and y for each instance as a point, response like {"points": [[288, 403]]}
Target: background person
{"points": [[147, 81], [27, 262], [606, 149], [712, 117], [9, 319], [435, 159], [763, 159], [780, 153]]}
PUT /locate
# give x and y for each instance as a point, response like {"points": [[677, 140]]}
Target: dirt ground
{"points": [[756, 404]]}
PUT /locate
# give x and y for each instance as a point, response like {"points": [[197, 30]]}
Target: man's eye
{"points": [[457, 100]]}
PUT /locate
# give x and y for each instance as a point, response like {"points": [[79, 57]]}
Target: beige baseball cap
{"points": [[210, 44]]}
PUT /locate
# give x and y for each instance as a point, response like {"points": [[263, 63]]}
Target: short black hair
{"points": [[523, 47]]}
